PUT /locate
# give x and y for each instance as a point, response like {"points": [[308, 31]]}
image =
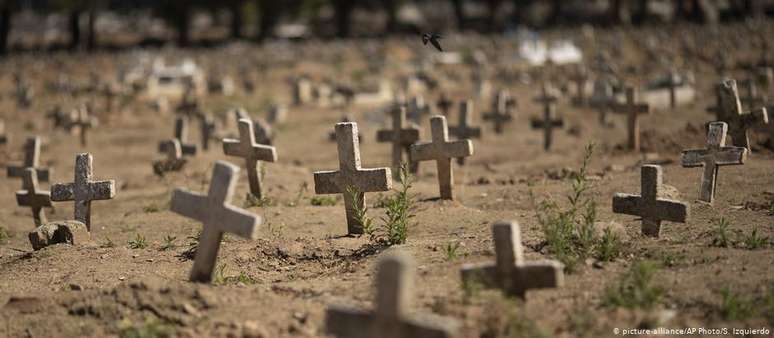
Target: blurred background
{"points": [[115, 24]]}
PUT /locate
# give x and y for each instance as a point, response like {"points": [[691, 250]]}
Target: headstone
{"points": [[351, 177], [633, 110], [83, 190], [246, 147], [441, 150], [739, 121], [549, 121], [500, 115], [174, 160], [715, 155], [649, 206], [511, 272], [302, 91], [31, 160], [81, 121], [59, 232], [391, 317], [402, 136], [218, 216], [464, 128], [34, 198], [181, 135]]}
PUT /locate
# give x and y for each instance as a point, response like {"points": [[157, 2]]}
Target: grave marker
{"points": [[464, 128], [31, 160], [181, 135], [511, 272], [500, 114], [217, 216], [82, 121], [633, 110], [441, 150], [31, 196], [391, 317], [549, 121], [207, 130], [351, 176], [83, 190], [174, 160], [246, 147], [402, 136], [649, 206], [715, 155], [739, 122]]}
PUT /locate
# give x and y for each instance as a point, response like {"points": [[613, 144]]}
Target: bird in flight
{"points": [[432, 38]]}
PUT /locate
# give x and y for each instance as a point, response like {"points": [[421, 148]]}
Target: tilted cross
{"points": [[715, 155], [31, 160], [444, 104], [549, 121], [500, 114], [391, 316], [83, 190], [246, 147], [33, 197], [402, 136], [81, 121], [511, 272], [181, 134], [649, 206], [464, 128], [217, 215], [633, 110], [351, 179], [441, 150], [739, 122]]}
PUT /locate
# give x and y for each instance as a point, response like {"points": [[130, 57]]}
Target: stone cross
{"points": [[181, 134], [81, 121], [510, 272], [549, 121], [444, 104], [31, 160], [207, 130], [739, 122], [83, 190], [464, 128], [391, 317], [246, 147], [345, 119], [649, 206], [174, 160], [217, 215], [402, 136], [500, 114], [580, 78], [441, 150], [351, 179], [633, 110], [715, 155], [601, 98], [33, 197], [417, 108]]}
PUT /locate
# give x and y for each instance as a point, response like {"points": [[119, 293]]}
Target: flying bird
{"points": [[432, 38]]}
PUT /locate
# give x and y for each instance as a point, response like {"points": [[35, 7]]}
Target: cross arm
{"points": [[479, 274], [264, 153], [232, 147], [18, 171], [27, 198], [673, 211], [407, 136], [377, 179], [538, 275], [102, 190], [346, 323], [627, 204], [189, 204], [462, 132], [63, 192], [326, 182], [240, 222]]}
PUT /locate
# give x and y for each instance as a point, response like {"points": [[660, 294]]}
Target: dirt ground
{"points": [[302, 262]]}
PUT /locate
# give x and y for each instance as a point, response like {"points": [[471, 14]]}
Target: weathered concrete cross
{"points": [[83, 190], [31, 160], [351, 178], [181, 134], [174, 160], [549, 121], [464, 128], [716, 154], [500, 114], [402, 136], [33, 197], [510, 272], [649, 206], [633, 110], [217, 215], [253, 152], [739, 122], [441, 150], [390, 317]]}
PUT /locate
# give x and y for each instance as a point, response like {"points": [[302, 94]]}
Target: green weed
{"points": [[361, 213], [451, 250], [398, 214], [253, 201], [720, 233], [734, 307], [168, 243], [323, 201], [150, 328], [636, 288], [753, 240], [3, 235], [108, 243], [151, 208], [138, 242]]}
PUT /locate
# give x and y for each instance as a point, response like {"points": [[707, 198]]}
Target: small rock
{"points": [[251, 329], [66, 232]]}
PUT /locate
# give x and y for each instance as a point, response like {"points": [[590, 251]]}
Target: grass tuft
{"points": [[323, 201], [253, 201], [451, 250], [168, 243], [138, 242], [720, 232], [150, 328], [3, 235], [399, 211], [635, 289], [734, 307]]}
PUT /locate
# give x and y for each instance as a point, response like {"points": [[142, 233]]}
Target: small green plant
{"points": [[303, 188], [193, 244], [151, 208], [360, 213], [150, 328], [753, 240], [506, 320], [635, 289], [451, 250], [245, 279], [168, 243], [275, 230], [107, 243], [734, 307], [322, 201], [138, 242], [609, 247], [253, 201], [398, 214], [219, 276], [3, 235], [721, 234]]}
